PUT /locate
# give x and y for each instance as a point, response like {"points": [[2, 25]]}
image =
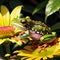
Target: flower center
{"points": [[6, 31]]}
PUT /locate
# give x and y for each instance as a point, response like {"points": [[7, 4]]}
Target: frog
{"points": [[37, 30]]}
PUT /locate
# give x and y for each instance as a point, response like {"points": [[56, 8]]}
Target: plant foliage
{"points": [[52, 7]]}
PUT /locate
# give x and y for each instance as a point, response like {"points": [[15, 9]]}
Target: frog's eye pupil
{"points": [[23, 21], [32, 29]]}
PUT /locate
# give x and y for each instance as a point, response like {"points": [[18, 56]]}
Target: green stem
{"points": [[7, 47], [1, 50]]}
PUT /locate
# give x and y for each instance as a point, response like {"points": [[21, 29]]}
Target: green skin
{"points": [[40, 27], [48, 38]]}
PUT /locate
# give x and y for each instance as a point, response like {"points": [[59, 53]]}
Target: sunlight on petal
{"points": [[1, 20], [2, 41], [23, 58], [16, 12], [6, 15], [12, 40], [7, 55]]}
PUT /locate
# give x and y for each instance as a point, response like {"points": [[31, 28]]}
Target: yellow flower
{"points": [[7, 28], [7, 33], [6, 18], [30, 54]]}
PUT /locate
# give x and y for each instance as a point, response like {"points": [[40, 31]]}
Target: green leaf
{"points": [[56, 26], [40, 6], [52, 7], [15, 46]]}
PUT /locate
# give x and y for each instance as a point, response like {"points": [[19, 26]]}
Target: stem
{"points": [[7, 47], [1, 50]]}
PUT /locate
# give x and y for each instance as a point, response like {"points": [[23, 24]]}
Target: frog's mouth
{"points": [[35, 35]]}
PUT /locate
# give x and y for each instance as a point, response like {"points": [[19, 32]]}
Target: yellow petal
{"points": [[12, 40], [16, 12], [7, 55], [30, 58], [19, 43], [23, 58], [1, 20], [24, 54], [38, 58], [6, 15], [2, 41], [28, 48]]}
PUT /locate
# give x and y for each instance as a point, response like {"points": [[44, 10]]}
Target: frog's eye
{"points": [[23, 21]]}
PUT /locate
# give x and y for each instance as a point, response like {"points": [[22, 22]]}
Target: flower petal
{"points": [[2, 41], [7, 55], [49, 52], [6, 15], [1, 20], [16, 12]]}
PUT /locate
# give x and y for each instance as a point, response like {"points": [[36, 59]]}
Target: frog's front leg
{"points": [[24, 34], [48, 38]]}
